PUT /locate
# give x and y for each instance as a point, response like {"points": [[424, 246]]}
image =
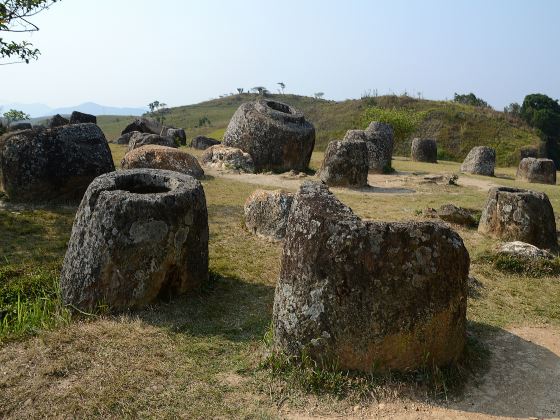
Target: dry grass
{"points": [[198, 356]]}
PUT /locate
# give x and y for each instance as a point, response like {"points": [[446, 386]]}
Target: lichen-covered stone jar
{"points": [[139, 235]]}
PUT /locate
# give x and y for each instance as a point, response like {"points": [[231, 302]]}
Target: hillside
{"points": [[456, 127]]}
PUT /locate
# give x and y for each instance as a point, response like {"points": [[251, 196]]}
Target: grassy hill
{"points": [[456, 127]]}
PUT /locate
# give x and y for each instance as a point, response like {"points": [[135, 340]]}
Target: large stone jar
{"points": [[276, 135], [368, 295], [424, 150], [481, 160], [513, 214], [139, 235], [542, 171], [53, 164], [345, 164]]}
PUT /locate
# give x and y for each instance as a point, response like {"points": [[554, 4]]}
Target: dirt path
{"points": [[397, 183], [524, 377], [379, 184], [481, 184]]}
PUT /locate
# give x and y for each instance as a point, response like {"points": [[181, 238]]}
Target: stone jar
{"points": [[53, 164], [276, 135], [368, 295], [139, 235], [514, 214], [424, 150]]}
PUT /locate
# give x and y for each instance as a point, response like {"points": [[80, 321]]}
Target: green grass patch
{"points": [[404, 121], [32, 247], [538, 267]]}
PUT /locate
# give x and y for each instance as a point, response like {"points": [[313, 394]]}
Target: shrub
{"points": [[404, 121], [540, 267], [470, 99]]}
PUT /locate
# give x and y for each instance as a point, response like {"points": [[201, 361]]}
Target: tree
{"points": [[513, 109], [240, 90], [15, 115], [15, 17], [202, 122], [470, 99], [158, 110], [261, 90], [319, 95], [543, 113], [282, 86]]}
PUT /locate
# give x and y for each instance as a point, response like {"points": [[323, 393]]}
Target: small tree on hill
{"points": [[513, 109], [470, 99], [261, 90], [158, 111], [282, 87], [15, 115], [240, 90], [319, 95], [543, 113], [15, 17]]}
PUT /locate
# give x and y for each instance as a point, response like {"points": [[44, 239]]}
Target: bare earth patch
{"points": [[396, 183]]}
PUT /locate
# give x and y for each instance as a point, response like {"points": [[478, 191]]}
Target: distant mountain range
{"points": [[41, 110]]}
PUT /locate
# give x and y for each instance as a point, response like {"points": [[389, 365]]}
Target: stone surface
{"points": [[203, 143], [53, 164], [542, 171], [125, 138], [142, 139], [20, 126], [523, 250], [178, 135], [276, 135], [424, 150], [380, 142], [368, 295], [442, 179], [144, 125], [162, 157], [266, 213], [345, 164], [80, 118], [457, 215], [519, 215], [481, 160], [138, 236], [223, 157], [58, 121]]}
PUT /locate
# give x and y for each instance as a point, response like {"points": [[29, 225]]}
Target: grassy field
{"points": [[456, 127], [200, 355]]}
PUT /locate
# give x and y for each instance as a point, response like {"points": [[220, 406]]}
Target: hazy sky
{"points": [[130, 52]]}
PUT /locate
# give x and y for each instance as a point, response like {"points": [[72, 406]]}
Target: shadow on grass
{"points": [[34, 233], [228, 307]]}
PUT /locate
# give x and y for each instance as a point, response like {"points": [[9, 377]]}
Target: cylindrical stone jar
{"points": [[139, 235]]}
